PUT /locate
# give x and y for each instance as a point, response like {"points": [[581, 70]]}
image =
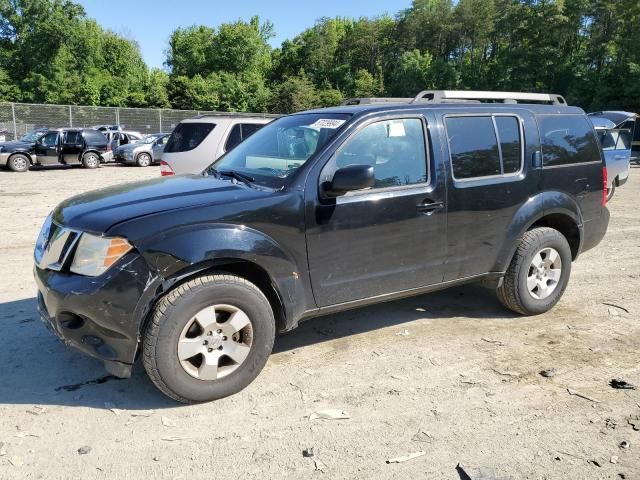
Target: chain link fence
{"points": [[16, 119]]}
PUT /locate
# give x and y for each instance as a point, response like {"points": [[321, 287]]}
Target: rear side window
{"points": [[239, 133], [567, 139], [249, 129], [474, 147], [484, 145], [72, 138], [188, 136], [235, 137], [510, 143], [94, 137]]}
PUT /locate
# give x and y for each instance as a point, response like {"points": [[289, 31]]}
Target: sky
{"points": [[151, 22]]}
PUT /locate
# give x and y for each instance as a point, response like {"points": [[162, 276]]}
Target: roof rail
{"points": [[237, 114], [443, 96], [370, 100]]}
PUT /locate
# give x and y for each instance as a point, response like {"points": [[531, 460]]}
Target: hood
{"points": [[99, 210], [16, 145]]}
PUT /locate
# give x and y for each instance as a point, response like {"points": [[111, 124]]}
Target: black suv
{"points": [[318, 212], [63, 146]]}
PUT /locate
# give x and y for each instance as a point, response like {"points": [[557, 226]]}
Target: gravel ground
{"points": [[451, 374]]}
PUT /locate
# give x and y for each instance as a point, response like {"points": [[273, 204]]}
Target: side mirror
{"points": [[347, 179]]}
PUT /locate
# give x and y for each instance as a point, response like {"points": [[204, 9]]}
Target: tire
{"points": [[611, 190], [515, 292], [143, 160], [174, 319], [19, 163], [91, 160]]}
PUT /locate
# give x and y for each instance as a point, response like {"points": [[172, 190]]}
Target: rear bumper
{"points": [[594, 230], [622, 181], [101, 316]]}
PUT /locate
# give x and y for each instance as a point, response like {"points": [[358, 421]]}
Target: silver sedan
{"points": [[144, 153]]}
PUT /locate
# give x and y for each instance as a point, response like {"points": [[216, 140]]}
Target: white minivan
{"points": [[196, 142]]}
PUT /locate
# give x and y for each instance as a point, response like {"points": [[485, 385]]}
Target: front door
{"points": [[47, 149], [158, 148], [386, 239]]}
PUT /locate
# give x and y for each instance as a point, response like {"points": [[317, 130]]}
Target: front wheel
{"points": [[208, 338], [538, 273], [18, 163], [143, 160], [91, 160]]}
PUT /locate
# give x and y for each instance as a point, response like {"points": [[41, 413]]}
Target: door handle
{"points": [[428, 207]]}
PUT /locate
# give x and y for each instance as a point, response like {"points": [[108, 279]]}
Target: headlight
{"points": [[95, 255]]}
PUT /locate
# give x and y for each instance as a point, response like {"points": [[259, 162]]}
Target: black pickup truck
{"points": [[319, 212]]}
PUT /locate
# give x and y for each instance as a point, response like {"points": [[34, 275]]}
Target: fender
{"points": [[532, 211], [189, 249]]}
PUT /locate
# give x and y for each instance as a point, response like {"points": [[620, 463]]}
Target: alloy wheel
{"points": [[215, 342], [544, 273]]}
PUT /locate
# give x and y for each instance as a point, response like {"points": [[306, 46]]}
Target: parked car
{"points": [[12, 154], [197, 142], [319, 212], [616, 146], [116, 138], [63, 146], [142, 153]]}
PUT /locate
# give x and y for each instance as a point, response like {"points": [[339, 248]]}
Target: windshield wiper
{"points": [[243, 177]]}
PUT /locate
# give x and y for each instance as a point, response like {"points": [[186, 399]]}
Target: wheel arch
{"points": [[187, 252], [549, 209], [26, 154]]}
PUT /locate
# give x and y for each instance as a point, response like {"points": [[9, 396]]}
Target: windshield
{"points": [[278, 149], [31, 137]]}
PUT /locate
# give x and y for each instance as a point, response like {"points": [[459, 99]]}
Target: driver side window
{"points": [[49, 140], [395, 149]]}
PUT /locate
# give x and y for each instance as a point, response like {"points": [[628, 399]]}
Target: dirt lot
{"points": [[451, 374]]}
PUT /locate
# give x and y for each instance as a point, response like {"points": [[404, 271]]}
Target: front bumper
{"points": [[100, 316], [4, 157]]}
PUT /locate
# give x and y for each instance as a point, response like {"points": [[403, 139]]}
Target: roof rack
{"points": [[237, 114], [448, 96], [371, 100]]}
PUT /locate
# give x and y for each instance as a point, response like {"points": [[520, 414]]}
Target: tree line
{"points": [[586, 50]]}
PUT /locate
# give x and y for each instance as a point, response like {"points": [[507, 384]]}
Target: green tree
{"points": [[293, 95]]}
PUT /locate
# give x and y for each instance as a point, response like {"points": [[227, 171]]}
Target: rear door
{"points": [[489, 180], [72, 146], [386, 239], [47, 149]]}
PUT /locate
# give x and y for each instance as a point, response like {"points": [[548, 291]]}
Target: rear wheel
{"points": [[18, 163], [143, 160], [538, 273], [208, 338], [91, 160]]}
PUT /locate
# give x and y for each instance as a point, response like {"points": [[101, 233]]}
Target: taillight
{"points": [[166, 171], [605, 186]]}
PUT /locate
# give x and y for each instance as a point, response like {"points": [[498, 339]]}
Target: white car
{"points": [[196, 142]]}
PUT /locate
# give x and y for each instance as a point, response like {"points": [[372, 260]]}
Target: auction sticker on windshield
{"points": [[327, 123]]}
